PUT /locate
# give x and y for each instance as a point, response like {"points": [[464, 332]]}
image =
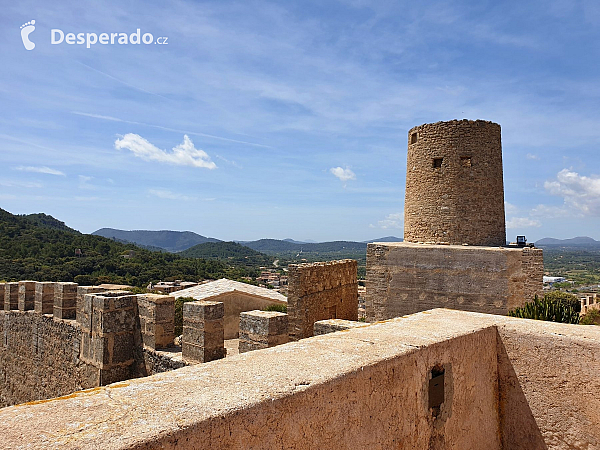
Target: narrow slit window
{"points": [[437, 163], [413, 138], [436, 390], [465, 161]]}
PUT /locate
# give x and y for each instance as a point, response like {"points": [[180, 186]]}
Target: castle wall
{"points": [[454, 184], [404, 278], [319, 291], [39, 358], [44, 356]]}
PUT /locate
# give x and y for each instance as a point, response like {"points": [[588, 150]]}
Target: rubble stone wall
{"points": [[454, 184]]}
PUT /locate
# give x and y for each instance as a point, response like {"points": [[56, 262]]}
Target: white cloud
{"points": [[509, 208], [522, 222], [165, 193], [84, 182], [343, 174], [532, 156], [550, 212], [185, 154], [580, 193], [395, 220], [21, 184], [40, 169]]}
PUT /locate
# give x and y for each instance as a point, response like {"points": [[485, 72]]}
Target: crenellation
{"points": [[44, 297], [65, 300], [333, 325], [318, 291], [262, 329], [203, 332], [11, 296], [157, 320], [26, 295]]}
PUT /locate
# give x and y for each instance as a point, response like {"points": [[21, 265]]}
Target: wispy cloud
{"points": [[580, 193], [185, 154], [233, 163], [40, 169], [532, 157], [20, 184], [509, 208], [160, 127], [84, 182], [522, 222], [166, 194], [391, 221], [343, 174]]}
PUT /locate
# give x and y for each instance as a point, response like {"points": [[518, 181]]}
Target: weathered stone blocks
{"points": [[65, 300], [26, 295], [203, 333], [109, 327], [157, 320], [262, 329], [81, 292], [44, 297], [404, 278], [11, 296], [319, 291], [333, 325]]}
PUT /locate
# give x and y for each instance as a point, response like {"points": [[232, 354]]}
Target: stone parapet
{"points": [[203, 332], [26, 295], [319, 291], [333, 325], [262, 329], [109, 327], [44, 297], [11, 296], [81, 292], [157, 320], [65, 300]]}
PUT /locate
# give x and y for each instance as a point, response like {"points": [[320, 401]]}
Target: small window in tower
{"points": [[437, 163], [436, 390], [466, 161], [413, 138]]}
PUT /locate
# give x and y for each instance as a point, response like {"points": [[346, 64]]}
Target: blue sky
{"points": [[290, 119]]}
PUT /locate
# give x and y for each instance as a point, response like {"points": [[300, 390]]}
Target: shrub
{"points": [[591, 318], [553, 308], [179, 313], [277, 307]]}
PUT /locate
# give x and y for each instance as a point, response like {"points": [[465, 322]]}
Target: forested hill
{"points": [[228, 251], [172, 241], [274, 246], [38, 248]]}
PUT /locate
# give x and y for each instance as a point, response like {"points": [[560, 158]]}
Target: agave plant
{"points": [[550, 308]]}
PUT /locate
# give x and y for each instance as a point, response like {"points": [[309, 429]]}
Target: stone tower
{"points": [[454, 184]]}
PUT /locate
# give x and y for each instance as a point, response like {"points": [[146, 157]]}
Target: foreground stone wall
{"points": [[404, 278], [454, 184], [43, 355], [319, 291], [507, 383]]}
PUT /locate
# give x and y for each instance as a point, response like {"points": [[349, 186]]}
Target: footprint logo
{"points": [[26, 30]]}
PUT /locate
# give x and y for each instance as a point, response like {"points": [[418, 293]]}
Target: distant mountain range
{"points": [[172, 241], [178, 241], [580, 241]]}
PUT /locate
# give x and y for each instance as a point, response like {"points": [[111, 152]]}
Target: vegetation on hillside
{"points": [[554, 307], [591, 318], [229, 251], [31, 249], [581, 265]]}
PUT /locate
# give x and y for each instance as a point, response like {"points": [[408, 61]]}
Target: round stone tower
{"points": [[454, 185]]}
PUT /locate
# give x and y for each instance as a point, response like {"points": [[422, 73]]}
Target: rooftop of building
{"points": [[225, 286]]}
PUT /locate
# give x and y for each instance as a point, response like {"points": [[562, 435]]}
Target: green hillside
{"points": [[228, 252], [38, 248], [172, 241]]}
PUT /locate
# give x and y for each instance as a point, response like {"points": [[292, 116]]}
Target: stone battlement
{"points": [[436, 379]]}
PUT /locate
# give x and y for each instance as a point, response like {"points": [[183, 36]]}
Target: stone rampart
{"points": [[43, 355], [319, 291], [437, 379], [262, 329], [404, 278]]}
